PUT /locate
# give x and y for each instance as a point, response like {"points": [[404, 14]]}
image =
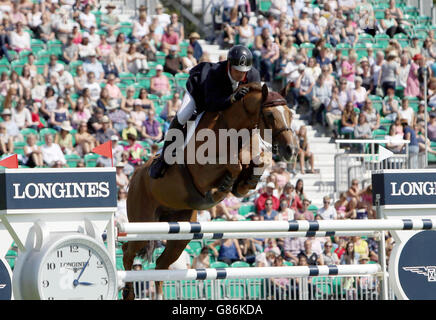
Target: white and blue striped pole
{"points": [[276, 226], [249, 273], [243, 235]]}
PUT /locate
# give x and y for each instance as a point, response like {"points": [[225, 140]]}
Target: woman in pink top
{"points": [[349, 68], [104, 49], [412, 89], [159, 84]]}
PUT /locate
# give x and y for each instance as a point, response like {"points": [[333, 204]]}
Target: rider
{"points": [[211, 87]]}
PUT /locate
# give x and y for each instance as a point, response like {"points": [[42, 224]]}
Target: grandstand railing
{"points": [[300, 288], [349, 166]]}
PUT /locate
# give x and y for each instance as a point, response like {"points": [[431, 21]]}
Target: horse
{"points": [[186, 188]]}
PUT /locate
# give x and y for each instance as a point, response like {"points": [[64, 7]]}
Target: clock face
{"points": [[76, 270]]}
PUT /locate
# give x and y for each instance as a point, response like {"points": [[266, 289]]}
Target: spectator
{"points": [[229, 251], [193, 43], [410, 135], [95, 67], [169, 39], [413, 88], [304, 213], [329, 257], [334, 111], [52, 153], [114, 92], [349, 119], [189, 61], [122, 180], [304, 151], [291, 197], [85, 142], [268, 214], [159, 84], [431, 127], [172, 106], [299, 189], [64, 138], [260, 201], [140, 28], [350, 256], [151, 130], [327, 212], [131, 128], [121, 213], [202, 260], [303, 86], [146, 103], [106, 131], [173, 63], [12, 129], [285, 212], [136, 61], [6, 141], [320, 99], [246, 32], [19, 39], [312, 258], [21, 115], [135, 150], [59, 115], [32, 152], [138, 115], [390, 26], [395, 144], [406, 112], [390, 105]]}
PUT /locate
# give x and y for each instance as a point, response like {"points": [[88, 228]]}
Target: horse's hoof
{"points": [[128, 294]]}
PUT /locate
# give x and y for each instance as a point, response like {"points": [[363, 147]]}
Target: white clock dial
{"points": [[76, 270]]}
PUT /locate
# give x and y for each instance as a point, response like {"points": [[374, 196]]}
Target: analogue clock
{"points": [[67, 267]]}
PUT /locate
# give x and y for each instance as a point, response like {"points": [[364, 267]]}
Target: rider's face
{"points": [[237, 75]]}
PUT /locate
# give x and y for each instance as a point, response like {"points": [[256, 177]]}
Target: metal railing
{"points": [[302, 288], [349, 166]]}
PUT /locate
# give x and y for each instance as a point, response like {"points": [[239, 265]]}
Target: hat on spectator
{"points": [[282, 164], [271, 185], [6, 111], [159, 6], [301, 67], [137, 262], [137, 102], [105, 119], [174, 48], [114, 138], [194, 35], [59, 67], [304, 10], [417, 56], [110, 5], [66, 126], [276, 251], [159, 67], [120, 164], [363, 257], [363, 59], [316, 10], [422, 103]]}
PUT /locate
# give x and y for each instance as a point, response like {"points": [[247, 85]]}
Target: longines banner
{"points": [[404, 187], [34, 189]]}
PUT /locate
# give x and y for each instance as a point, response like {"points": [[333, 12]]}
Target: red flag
{"points": [[10, 162], [105, 150]]}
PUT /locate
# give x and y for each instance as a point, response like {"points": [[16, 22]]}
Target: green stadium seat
{"points": [[219, 264], [240, 264], [72, 160], [91, 159], [45, 131]]}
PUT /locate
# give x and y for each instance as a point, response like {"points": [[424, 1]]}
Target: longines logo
{"points": [[428, 271], [420, 188], [61, 190]]}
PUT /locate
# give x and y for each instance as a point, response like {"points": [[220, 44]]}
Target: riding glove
{"points": [[239, 94]]}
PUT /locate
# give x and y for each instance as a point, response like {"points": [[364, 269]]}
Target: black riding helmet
{"points": [[240, 58]]}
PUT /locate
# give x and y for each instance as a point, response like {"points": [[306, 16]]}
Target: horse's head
{"points": [[276, 115]]}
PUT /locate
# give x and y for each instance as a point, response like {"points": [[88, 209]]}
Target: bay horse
{"points": [[186, 188]]}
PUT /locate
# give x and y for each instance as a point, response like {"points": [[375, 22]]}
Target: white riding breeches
{"points": [[186, 109]]}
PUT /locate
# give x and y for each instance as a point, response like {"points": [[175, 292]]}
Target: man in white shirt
{"points": [[93, 87], [327, 212], [20, 40], [183, 262], [163, 18], [52, 153], [87, 19], [95, 67], [65, 79]]}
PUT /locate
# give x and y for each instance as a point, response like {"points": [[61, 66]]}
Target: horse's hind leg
{"points": [[173, 248], [130, 250]]}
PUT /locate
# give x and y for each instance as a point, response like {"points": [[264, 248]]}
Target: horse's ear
{"points": [[264, 92]]}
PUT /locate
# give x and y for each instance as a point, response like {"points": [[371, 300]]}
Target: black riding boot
{"points": [[159, 166]]}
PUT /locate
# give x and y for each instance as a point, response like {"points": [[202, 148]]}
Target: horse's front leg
{"points": [[226, 184], [256, 169]]}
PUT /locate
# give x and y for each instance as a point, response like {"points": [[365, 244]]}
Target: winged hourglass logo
{"points": [[429, 272], [243, 60]]}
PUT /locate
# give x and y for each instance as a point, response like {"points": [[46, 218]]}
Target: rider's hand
{"points": [[239, 94]]}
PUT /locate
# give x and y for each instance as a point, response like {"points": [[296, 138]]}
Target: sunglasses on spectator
{"points": [[268, 203]]}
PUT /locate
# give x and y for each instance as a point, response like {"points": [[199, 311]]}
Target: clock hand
{"points": [[86, 283], [76, 282]]}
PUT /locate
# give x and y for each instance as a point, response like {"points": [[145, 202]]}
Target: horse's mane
{"points": [[253, 86]]}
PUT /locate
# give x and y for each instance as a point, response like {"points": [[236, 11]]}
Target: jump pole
{"points": [[276, 226], [249, 273]]}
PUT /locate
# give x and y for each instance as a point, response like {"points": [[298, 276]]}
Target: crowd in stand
{"points": [[73, 76]]}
